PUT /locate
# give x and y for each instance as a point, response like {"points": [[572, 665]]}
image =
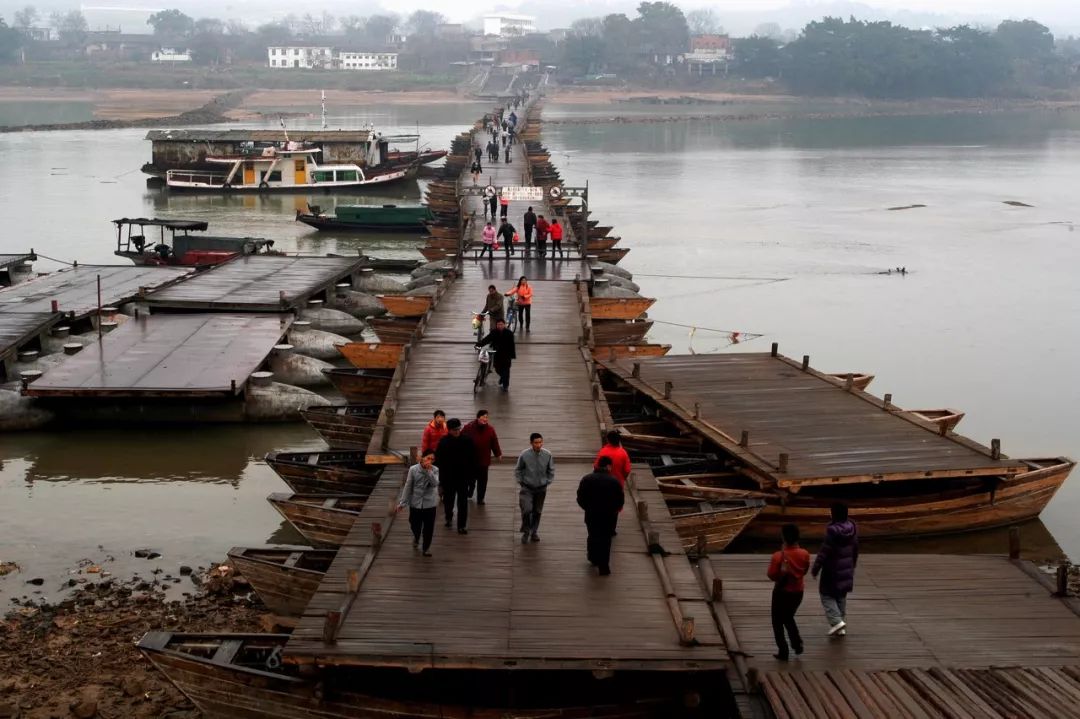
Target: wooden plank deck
{"points": [[168, 355], [19, 328], [485, 600], [829, 434], [910, 611], [75, 289], [266, 283]]}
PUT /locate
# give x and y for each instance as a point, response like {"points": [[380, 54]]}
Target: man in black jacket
{"points": [[601, 496], [502, 341], [530, 224], [506, 236], [456, 459]]}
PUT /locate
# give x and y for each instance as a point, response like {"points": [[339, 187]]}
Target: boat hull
{"points": [[275, 574], [322, 223], [625, 351], [617, 332], [1014, 501], [321, 525], [393, 330], [361, 386], [619, 308], [717, 526], [406, 305], [334, 472]]}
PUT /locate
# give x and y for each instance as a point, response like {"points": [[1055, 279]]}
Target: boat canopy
{"points": [[173, 225]]}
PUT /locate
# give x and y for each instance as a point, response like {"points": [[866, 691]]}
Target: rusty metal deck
{"points": [[257, 283], [829, 434], [75, 289], [185, 355]]}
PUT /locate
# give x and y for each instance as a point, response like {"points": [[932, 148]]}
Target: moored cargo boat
{"points": [[715, 521], [372, 355], [381, 218], [323, 519], [284, 577]]}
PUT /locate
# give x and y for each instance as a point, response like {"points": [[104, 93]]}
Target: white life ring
{"points": [[555, 192]]}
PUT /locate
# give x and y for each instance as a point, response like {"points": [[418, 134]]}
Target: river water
{"points": [[778, 228]]}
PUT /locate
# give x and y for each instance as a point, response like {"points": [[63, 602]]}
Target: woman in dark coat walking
{"points": [[835, 563]]}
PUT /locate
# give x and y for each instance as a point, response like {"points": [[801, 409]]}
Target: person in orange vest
{"points": [[556, 231], [435, 430], [504, 206], [524, 294], [620, 460]]}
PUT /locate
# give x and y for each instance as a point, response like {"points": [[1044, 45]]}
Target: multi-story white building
{"points": [[326, 58], [302, 57], [509, 25], [348, 60], [170, 54]]}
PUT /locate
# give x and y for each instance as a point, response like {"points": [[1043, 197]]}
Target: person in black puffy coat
{"points": [[835, 563]]}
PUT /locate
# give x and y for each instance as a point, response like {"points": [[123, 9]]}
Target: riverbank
{"points": [[211, 112], [77, 657]]}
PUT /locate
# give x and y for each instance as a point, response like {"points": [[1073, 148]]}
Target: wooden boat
{"points": [[284, 577], [406, 305], [617, 308], [657, 442], [604, 243], [323, 519], [393, 330], [680, 463], [180, 247], [432, 254], [718, 522], [617, 332], [626, 351], [344, 426], [443, 231], [325, 472], [859, 381], [947, 418], [612, 255], [930, 507], [361, 386], [595, 233], [372, 355], [381, 218], [227, 676], [709, 485]]}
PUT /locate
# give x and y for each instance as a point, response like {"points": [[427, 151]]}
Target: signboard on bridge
{"points": [[523, 194]]}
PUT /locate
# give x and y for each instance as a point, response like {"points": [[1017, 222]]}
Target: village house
{"points": [[708, 53], [509, 25], [170, 55], [328, 58]]}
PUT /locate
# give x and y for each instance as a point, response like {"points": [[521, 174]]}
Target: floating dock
{"points": [[18, 329], [75, 290], [256, 283], [189, 356], [8, 263]]}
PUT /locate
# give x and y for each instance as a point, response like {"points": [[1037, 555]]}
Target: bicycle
{"points": [[483, 354], [511, 315]]}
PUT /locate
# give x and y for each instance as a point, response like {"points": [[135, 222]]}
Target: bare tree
{"points": [[703, 21], [26, 18], [588, 27]]}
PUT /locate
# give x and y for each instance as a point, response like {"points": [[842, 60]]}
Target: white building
{"points": [[170, 54], [509, 25], [303, 57], [348, 60], [330, 58]]}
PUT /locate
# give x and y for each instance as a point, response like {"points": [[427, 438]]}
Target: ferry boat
{"points": [[384, 218], [281, 170], [180, 248]]}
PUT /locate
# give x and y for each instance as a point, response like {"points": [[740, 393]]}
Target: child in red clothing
{"points": [[787, 569], [620, 460]]}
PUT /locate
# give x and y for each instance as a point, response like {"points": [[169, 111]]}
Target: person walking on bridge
{"points": [[524, 293], [420, 494], [487, 241], [787, 570], [542, 228], [506, 235], [455, 457], [835, 563], [477, 152], [535, 471], [433, 432], [529, 222], [494, 304], [502, 341], [486, 441], [600, 494], [556, 231], [614, 451], [493, 203]]}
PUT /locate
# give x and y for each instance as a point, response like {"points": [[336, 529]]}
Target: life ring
{"points": [[555, 191], [264, 185]]}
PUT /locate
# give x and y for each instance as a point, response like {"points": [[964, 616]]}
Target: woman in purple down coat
{"points": [[836, 562]]}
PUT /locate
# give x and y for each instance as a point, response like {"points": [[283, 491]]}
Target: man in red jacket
{"points": [[556, 231], [486, 441], [435, 430], [620, 460], [542, 228]]}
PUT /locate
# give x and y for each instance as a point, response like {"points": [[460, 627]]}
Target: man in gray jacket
{"points": [[535, 470], [421, 495]]}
